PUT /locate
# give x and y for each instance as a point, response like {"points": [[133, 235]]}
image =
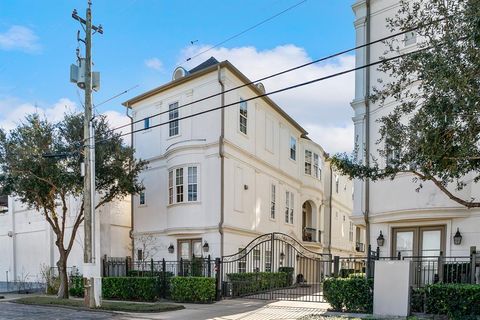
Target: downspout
{"points": [[367, 125], [222, 162], [131, 195]]}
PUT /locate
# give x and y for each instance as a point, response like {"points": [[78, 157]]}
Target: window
{"points": [[410, 38], [139, 254], [170, 187], [272, 201], [177, 179], [393, 156], [350, 232], [293, 148], [308, 162], [337, 180], [142, 198], [268, 261], [192, 183], [243, 116], [146, 123], [242, 261], [179, 184], [316, 166], [172, 115], [289, 204], [256, 260]]}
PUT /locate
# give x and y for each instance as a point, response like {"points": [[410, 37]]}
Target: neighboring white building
{"points": [[228, 176], [27, 242], [414, 223]]}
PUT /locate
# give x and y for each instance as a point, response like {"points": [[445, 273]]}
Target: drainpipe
{"points": [[367, 124], [222, 162], [330, 212], [131, 195]]}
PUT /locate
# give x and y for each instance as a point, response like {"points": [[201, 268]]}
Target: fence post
{"points": [[164, 278], [104, 265], [440, 267], [126, 266], [336, 265], [378, 253], [151, 267], [218, 289], [399, 255], [181, 267], [369, 261], [473, 264], [209, 266]]}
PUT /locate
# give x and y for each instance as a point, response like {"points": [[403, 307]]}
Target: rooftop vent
{"points": [[179, 72], [260, 87]]}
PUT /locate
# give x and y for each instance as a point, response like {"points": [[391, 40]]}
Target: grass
{"points": [[106, 305]]}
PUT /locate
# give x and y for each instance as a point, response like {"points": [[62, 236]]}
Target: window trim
{"points": [[294, 149], [171, 112], [140, 196], [243, 105], [289, 207], [273, 198], [172, 187]]}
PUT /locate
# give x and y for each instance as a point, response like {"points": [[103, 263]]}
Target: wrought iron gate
{"points": [[274, 266]]}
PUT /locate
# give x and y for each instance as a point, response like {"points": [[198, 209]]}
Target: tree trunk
{"points": [[62, 272]]}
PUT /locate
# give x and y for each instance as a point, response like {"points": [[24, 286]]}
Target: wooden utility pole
{"points": [[91, 294]]}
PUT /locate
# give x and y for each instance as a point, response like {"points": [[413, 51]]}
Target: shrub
{"points": [[344, 273], [76, 286], [417, 300], [131, 288], [192, 289], [254, 282], [349, 294], [457, 301], [289, 272]]}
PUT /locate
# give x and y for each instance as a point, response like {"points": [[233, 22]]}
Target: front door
{"points": [[189, 248], [422, 245]]}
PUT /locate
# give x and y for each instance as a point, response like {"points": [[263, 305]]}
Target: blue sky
{"points": [[145, 39]]}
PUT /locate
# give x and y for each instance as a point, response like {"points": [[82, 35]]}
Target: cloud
{"points": [[154, 63], [19, 38], [319, 107], [116, 119]]}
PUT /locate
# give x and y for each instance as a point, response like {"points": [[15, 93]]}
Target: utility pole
{"points": [[88, 81]]}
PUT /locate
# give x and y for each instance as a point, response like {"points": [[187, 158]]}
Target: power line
{"points": [[274, 75], [246, 30]]}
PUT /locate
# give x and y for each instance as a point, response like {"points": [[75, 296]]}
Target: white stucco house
{"points": [[412, 223], [224, 177], [27, 242]]}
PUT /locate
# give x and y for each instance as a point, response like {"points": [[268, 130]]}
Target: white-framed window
{"points": [[289, 204], [173, 125], [308, 162], [392, 156], [192, 184], [146, 123], [179, 184], [350, 232], [243, 116], [242, 261], [317, 169], [268, 261], [170, 187], [272, 200], [337, 181], [410, 38], [180, 177], [141, 197], [293, 148]]}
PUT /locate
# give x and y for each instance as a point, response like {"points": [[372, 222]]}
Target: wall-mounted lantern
{"points": [[380, 240], [282, 256], [457, 238], [206, 247], [171, 248]]}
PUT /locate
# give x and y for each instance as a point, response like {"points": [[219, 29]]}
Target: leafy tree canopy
{"points": [[433, 131]]}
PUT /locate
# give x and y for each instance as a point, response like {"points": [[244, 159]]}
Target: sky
{"points": [[144, 40]]}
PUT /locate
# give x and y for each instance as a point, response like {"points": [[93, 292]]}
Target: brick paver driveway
{"points": [[14, 311]]}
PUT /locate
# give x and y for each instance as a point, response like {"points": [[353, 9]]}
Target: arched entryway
{"points": [[309, 222]]}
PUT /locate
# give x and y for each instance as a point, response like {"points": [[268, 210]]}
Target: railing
{"points": [[121, 267], [310, 235], [359, 247]]}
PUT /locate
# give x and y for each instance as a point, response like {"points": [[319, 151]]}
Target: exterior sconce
{"points": [[206, 247], [171, 248], [282, 255], [457, 238], [245, 186], [380, 240]]}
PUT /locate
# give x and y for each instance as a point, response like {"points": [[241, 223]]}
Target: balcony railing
{"points": [[360, 247], [311, 235]]}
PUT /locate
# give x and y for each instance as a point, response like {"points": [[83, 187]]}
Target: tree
{"points": [[433, 131], [45, 183]]}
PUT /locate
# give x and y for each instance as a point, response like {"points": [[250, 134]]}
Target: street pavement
{"points": [[224, 310]]}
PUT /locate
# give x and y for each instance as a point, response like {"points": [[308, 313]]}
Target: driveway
{"points": [[238, 309]]}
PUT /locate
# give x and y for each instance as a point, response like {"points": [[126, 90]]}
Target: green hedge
{"points": [[349, 294], [131, 288], [192, 289], [76, 286], [289, 272], [457, 301], [254, 282]]}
